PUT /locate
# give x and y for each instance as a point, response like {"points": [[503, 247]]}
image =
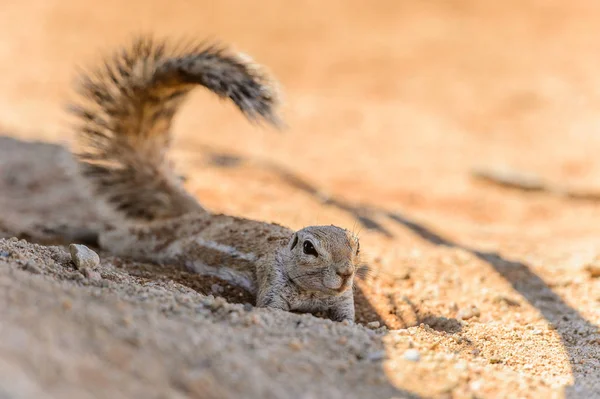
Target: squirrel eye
{"points": [[357, 247], [309, 248]]}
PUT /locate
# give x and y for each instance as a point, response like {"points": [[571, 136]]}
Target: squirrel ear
{"points": [[295, 242]]}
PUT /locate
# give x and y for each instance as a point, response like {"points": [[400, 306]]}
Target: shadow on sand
{"points": [[524, 280]]}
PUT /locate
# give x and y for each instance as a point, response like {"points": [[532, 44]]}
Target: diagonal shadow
{"points": [[531, 184], [535, 290], [361, 213], [524, 280]]}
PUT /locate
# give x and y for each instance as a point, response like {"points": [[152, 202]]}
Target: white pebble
{"points": [[83, 257], [412, 355]]}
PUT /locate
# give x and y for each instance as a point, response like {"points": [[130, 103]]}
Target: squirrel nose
{"points": [[344, 273]]}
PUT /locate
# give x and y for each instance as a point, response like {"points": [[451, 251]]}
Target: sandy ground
{"points": [[391, 106]]}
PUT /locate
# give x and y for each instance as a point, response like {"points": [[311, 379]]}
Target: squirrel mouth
{"points": [[344, 286]]}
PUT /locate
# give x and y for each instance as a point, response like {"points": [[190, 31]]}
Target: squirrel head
{"points": [[323, 259]]}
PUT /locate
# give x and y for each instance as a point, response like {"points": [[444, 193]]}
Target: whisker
{"points": [[310, 273], [364, 271]]}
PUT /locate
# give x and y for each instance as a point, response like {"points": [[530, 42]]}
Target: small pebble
{"points": [[295, 345], [77, 276], [412, 355], [67, 304], [374, 324], [468, 313], [375, 356], [593, 268], [506, 300], [254, 320], [461, 365], [83, 257], [248, 307], [91, 274], [208, 301], [32, 267], [217, 289], [218, 303], [4, 254], [476, 385]]}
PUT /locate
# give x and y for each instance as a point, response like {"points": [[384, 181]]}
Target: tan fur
{"points": [[124, 127]]}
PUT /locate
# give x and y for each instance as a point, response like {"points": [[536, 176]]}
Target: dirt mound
{"points": [[68, 336]]}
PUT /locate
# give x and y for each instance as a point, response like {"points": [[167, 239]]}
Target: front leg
{"points": [[343, 309], [271, 297], [271, 287]]}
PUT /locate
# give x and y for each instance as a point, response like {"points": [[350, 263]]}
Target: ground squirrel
{"points": [[124, 119]]}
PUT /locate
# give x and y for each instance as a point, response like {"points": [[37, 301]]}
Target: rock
{"points": [[374, 324], [32, 267], [593, 268], [208, 301], [412, 355], [248, 307], [468, 313], [295, 344], [506, 300], [476, 385], [76, 276], [91, 274], [83, 257], [217, 304], [376, 356], [4, 254], [217, 289]]}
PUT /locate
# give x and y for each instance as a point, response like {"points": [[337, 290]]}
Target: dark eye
{"points": [[309, 248], [357, 247]]}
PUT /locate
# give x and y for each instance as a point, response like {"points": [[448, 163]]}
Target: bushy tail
{"points": [[125, 115]]}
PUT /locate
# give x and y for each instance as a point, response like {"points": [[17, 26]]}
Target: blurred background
{"points": [[387, 102], [392, 107]]}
